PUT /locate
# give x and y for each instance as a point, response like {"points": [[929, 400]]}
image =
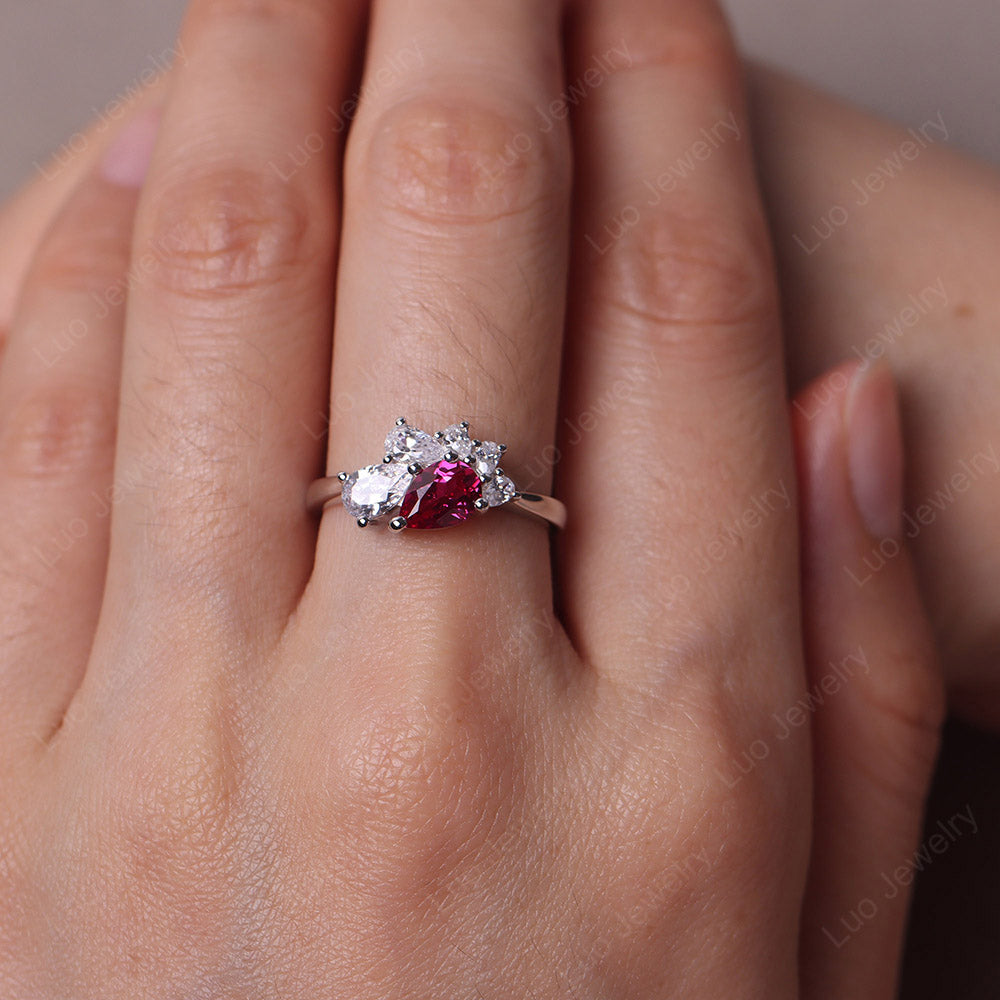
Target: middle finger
{"points": [[229, 319]]}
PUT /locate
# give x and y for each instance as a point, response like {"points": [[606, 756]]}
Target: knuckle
{"points": [[56, 432], [909, 689], [747, 772], [174, 807], [739, 772], [422, 788], [673, 773], [227, 230], [746, 808], [434, 161], [678, 277], [85, 252], [907, 698]]}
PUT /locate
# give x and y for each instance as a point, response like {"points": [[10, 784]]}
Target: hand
{"points": [[245, 757], [886, 250], [840, 301]]}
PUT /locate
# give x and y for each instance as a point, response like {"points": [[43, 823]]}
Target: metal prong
{"points": [[476, 442], [342, 476], [499, 472], [362, 522], [503, 448], [397, 523], [439, 435], [482, 504], [387, 458], [465, 424], [451, 456], [413, 468], [401, 421]]}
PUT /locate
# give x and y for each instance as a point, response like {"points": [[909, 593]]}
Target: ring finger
{"points": [[451, 287]]}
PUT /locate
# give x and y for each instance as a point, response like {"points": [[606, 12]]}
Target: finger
{"points": [[225, 370], [459, 191], [674, 438], [27, 217], [58, 403], [815, 154], [873, 685]]}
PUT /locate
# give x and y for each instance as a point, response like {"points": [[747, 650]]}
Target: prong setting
{"points": [[463, 471]]}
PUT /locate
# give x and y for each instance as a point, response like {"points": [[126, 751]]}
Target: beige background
{"points": [[61, 61]]}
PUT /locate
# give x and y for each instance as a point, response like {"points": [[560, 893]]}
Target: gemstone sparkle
{"points": [[375, 489], [442, 495]]}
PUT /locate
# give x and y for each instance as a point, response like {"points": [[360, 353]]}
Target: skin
{"points": [[838, 295], [929, 233], [244, 754]]}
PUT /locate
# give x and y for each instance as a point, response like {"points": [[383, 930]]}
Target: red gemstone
{"points": [[441, 495]]}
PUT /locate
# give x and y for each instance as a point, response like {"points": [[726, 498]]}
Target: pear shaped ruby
{"points": [[441, 495]]}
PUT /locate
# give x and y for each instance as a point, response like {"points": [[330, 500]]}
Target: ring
{"points": [[434, 480]]}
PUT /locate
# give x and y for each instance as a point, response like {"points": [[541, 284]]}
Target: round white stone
{"points": [[375, 489], [486, 458], [499, 490]]}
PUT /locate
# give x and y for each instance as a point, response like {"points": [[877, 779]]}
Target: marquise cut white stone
{"points": [[456, 438], [407, 444], [376, 489]]}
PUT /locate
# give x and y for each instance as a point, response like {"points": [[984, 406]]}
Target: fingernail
{"points": [[127, 160], [875, 450]]}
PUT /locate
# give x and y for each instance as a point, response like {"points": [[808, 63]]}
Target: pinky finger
{"points": [[874, 685]]}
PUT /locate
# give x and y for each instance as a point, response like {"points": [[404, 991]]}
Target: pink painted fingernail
{"points": [[127, 160], [875, 450]]}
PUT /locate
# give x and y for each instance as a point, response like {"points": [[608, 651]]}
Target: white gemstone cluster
{"points": [[375, 490]]}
